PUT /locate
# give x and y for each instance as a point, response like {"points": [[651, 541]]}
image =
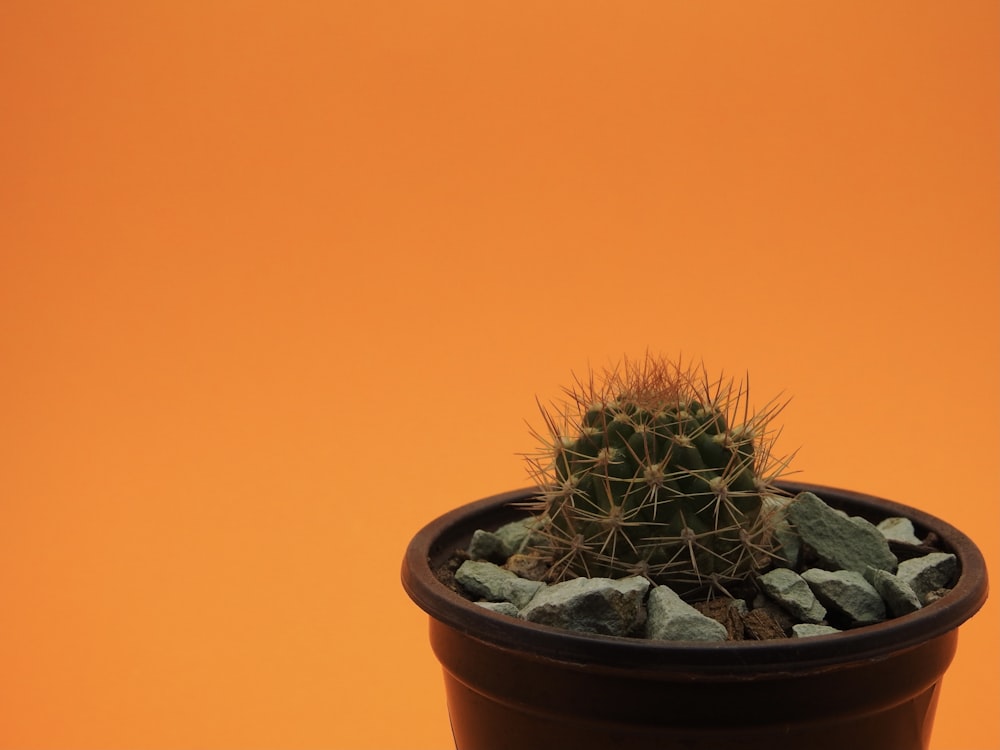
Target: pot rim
{"points": [[444, 534]]}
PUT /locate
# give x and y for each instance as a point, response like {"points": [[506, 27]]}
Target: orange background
{"points": [[279, 283]]}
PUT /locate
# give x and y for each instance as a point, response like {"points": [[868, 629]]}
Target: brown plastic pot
{"points": [[514, 684]]}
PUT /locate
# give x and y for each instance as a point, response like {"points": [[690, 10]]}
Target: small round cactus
{"points": [[655, 469]]}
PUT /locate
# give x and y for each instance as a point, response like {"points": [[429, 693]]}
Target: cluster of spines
{"points": [[644, 473]]}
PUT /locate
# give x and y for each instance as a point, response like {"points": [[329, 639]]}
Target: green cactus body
{"points": [[645, 474]]}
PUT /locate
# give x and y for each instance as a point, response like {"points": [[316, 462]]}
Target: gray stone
{"points": [[899, 530], [808, 630], [518, 535], [485, 545], [483, 579], [494, 584], [669, 618], [591, 605], [503, 608], [848, 593], [792, 593], [497, 546], [899, 597], [522, 591], [926, 574], [839, 542], [789, 544]]}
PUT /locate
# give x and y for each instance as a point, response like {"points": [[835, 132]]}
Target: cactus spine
{"points": [[655, 469]]}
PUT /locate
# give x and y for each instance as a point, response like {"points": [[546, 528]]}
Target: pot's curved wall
{"points": [[498, 699]]}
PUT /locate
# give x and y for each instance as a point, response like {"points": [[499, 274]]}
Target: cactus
{"points": [[655, 469]]}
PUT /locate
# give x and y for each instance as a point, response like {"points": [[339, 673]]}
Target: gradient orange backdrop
{"points": [[279, 283]]}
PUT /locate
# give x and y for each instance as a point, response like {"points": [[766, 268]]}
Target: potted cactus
{"points": [[656, 498]]}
